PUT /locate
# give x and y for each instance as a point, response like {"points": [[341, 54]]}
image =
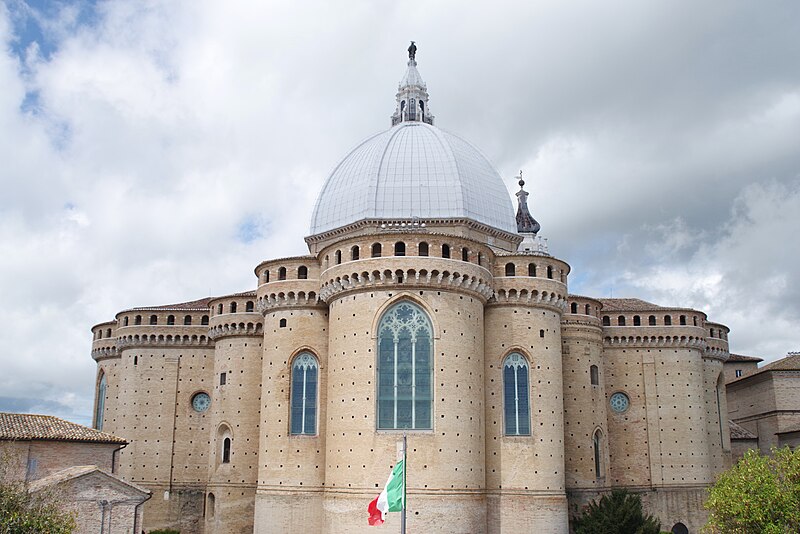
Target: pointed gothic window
{"points": [[405, 368], [515, 395], [305, 377], [101, 402], [597, 445]]}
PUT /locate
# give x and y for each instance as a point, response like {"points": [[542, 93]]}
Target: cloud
{"points": [[155, 152]]}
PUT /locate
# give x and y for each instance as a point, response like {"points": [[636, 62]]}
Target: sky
{"points": [[155, 152]]}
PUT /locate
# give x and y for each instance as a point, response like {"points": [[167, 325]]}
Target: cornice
{"points": [[161, 340], [235, 329]]}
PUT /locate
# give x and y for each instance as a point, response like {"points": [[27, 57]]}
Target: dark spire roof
{"points": [[526, 224]]}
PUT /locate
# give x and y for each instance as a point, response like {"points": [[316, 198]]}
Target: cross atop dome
{"points": [[526, 224], [412, 94]]}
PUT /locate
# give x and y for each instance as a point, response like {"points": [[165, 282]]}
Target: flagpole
{"points": [[405, 470]]}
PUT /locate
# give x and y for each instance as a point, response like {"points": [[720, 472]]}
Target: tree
{"points": [[620, 512], [760, 494], [25, 512]]}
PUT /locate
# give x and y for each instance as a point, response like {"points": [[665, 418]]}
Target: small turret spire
{"points": [[526, 224], [412, 94]]}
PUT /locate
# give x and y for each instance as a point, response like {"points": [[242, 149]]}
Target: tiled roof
{"points": [[789, 363], [22, 426], [742, 358], [738, 432], [790, 430], [628, 305], [200, 304]]}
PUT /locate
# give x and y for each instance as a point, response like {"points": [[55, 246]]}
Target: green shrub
{"points": [[617, 513]]}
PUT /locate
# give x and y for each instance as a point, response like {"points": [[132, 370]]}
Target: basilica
{"points": [[428, 306]]}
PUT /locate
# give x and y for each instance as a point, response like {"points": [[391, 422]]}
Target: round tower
{"points": [[291, 466], [236, 327], [585, 418]]}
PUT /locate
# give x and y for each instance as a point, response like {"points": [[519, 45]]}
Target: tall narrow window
{"points": [[549, 272], [445, 251], [668, 320], [282, 273], [464, 254], [233, 307], [405, 370], [226, 451], [683, 320], [266, 277], [376, 250], [531, 269], [125, 321], [399, 249], [248, 307], [511, 269], [651, 320], [621, 320], [355, 252], [153, 319], [515, 395], [219, 309], [594, 375], [101, 402], [637, 321], [137, 320], [302, 272], [597, 442], [305, 373], [187, 320], [573, 308], [606, 320], [204, 320], [588, 310], [338, 257], [423, 249], [210, 507], [171, 320]]}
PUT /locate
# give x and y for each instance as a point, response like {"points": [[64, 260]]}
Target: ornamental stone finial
{"points": [[412, 51]]}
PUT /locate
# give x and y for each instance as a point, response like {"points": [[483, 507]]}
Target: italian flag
{"points": [[392, 498]]}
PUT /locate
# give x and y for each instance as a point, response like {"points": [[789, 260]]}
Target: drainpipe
{"points": [[114, 458], [103, 504], [136, 526], [174, 421]]}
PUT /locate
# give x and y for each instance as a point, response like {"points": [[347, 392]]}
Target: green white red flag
{"points": [[392, 498]]}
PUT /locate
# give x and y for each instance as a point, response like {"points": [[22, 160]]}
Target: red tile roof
{"points": [[738, 432], [29, 427], [742, 358]]}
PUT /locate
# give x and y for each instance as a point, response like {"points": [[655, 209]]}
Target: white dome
{"points": [[413, 170]]}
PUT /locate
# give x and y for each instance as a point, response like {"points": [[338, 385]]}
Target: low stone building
{"points": [[742, 440], [739, 365], [766, 403], [76, 463]]}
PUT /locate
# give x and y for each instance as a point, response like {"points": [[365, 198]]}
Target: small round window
{"points": [[619, 402], [200, 402]]}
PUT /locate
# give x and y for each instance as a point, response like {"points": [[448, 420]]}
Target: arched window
{"points": [[511, 269], [101, 402], [597, 445], [302, 272], [679, 528], [204, 320], [682, 320], [355, 252], [637, 321], [226, 451], [588, 310], [211, 505], [573, 308], [445, 251], [606, 320], [376, 250], [651, 320], [405, 368], [338, 256], [712, 332], [138, 320], [305, 373], [125, 321], [282, 273], [694, 320], [531, 269], [282, 323], [423, 249], [249, 306], [480, 258], [464, 254], [98, 334], [399, 249], [668, 320], [171, 320], [266, 276], [594, 375], [549, 272], [233, 307], [108, 333], [219, 309], [153, 319], [187, 320], [516, 398], [621, 320]]}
